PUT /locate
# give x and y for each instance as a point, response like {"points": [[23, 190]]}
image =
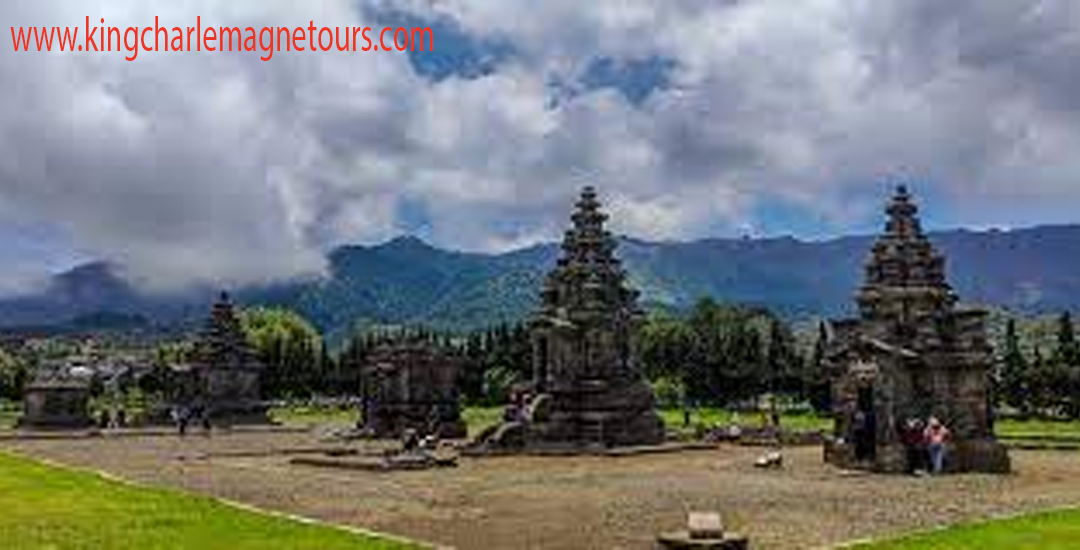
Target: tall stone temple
{"points": [[910, 354], [587, 389], [226, 369]]}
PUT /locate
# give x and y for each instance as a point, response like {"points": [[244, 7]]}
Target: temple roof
{"points": [[588, 276], [904, 264], [222, 342]]}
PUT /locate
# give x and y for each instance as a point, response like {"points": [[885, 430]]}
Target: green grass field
{"points": [[309, 416], [1059, 530], [52, 508], [9, 414]]}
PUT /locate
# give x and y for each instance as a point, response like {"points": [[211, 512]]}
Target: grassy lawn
{"points": [[9, 414], [1033, 429], [479, 418], [52, 508], [309, 416], [1046, 531], [711, 416]]}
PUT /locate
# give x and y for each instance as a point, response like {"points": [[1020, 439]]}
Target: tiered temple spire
{"points": [[222, 342], [905, 275], [588, 277], [227, 369]]}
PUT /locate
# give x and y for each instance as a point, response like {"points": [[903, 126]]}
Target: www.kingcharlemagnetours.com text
{"points": [[264, 40]]}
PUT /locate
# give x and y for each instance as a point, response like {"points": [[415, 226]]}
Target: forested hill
{"points": [[408, 281]]}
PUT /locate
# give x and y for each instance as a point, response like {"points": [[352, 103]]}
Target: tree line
{"points": [[715, 354], [1035, 381]]}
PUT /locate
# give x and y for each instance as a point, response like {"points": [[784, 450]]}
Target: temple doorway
{"points": [[864, 427]]}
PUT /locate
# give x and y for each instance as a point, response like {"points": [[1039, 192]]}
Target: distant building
{"points": [[56, 400], [587, 388], [225, 373], [411, 386], [910, 354]]}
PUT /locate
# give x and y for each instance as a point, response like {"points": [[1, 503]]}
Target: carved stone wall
{"points": [[411, 387], [931, 358]]}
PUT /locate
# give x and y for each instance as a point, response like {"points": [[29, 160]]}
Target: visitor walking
{"points": [[936, 434]]}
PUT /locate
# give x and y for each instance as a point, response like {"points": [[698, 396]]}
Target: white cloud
{"points": [[224, 168]]}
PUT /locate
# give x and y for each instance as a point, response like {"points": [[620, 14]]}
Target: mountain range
{"points": [[407, 281]]}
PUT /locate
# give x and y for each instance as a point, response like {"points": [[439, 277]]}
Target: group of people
{"points": [[182, 417], [112, 420], [925, 444]]}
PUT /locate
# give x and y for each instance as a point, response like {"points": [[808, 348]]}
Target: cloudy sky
{"points": [[694, 117]]}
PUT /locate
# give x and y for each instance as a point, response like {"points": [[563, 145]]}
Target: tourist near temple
{"points": [[587, 389], [910, 354]]}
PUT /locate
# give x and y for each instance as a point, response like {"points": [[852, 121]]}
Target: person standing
{"points": [[936, 435], [912, 438]]}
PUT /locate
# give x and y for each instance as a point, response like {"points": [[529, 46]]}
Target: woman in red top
{"points": [[936, 434]]}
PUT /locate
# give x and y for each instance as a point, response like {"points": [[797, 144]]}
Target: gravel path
{"points": [[578, 502]]}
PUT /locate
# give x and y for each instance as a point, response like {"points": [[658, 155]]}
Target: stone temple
{"points": [[911, 353], [226, 370], [56, 402], [411, 386], [587, 389]]}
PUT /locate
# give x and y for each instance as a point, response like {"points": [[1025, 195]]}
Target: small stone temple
{"points": [[910, 354], [226, 370], [411, 386], [587, 389], [56, 401]]}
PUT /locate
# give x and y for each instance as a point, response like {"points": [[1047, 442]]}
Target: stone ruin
{"points": [[56, 401], [704, 531], [411, 387], [910, 354], [587, 390], [222, 382]]}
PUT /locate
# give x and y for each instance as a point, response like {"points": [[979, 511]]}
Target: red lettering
{"points": [[288, 39], [231, 32], [299, 32], [210, 36], [426, 37], [405, 46], [118, 43], [269, 49], [142, 39], [382, 35], [337, 39], [23, 39], [68, 39], [90, 39], [329, 32], [178, 40], [133, 32]]}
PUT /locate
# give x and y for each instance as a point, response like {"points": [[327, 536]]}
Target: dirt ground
{"points": [[575, 502]]}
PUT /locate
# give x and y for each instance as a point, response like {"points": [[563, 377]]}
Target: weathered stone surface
{"points": [[223, 380], [56, 403], [408, 386], [587, 388], [910, 354]]}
